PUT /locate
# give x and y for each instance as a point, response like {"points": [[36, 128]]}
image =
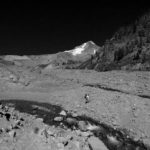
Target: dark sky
{"points": [[36, 28]]}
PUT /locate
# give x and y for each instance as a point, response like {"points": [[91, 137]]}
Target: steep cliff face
{"points": [[128, 49]]}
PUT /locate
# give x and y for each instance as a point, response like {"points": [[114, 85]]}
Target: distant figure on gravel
{"points": [[87, 98]]}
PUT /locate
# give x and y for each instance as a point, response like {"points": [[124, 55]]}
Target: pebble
{"points": [[113, 140], [58, 118], [63, 113], [96, 144], [39, 119], [71, 121]]}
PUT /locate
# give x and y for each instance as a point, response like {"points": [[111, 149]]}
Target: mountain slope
{"points": [[128, 49], [86, 48], [66, 59], [76, 56]]}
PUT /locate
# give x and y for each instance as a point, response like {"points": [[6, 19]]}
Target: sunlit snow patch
{"points": [[78, 50]]}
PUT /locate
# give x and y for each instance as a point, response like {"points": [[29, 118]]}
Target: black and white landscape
{"points": [[90, 97]]}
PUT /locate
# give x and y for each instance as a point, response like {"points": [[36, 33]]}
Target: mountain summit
{"points": [[74, 57], [86, 48]]}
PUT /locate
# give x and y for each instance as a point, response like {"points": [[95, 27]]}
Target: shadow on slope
{"points": [[41, 110]]}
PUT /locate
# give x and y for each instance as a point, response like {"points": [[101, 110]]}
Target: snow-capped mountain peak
{"points": [[80, 49]]}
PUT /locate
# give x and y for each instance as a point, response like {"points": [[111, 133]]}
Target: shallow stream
{"points": [[114, 139]]}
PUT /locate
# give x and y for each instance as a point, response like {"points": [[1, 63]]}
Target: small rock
{"points": [[8, 115], [12, 133], [71, 121], [113, 140], [82, 125], [86, 134], [63, 113], [39, 119], [58, 118], [96, 144], [74, 114], [92, 127]]}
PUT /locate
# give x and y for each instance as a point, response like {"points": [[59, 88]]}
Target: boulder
{"points": [[82, 125], [96, 144], [63, 113]]}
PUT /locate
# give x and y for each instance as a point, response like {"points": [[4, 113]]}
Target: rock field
{"points": [[47, 109]]}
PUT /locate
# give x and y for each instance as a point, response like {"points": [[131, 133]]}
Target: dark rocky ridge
{"points": [[128, 49]]}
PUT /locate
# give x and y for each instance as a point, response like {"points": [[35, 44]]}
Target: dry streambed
{"points": [[33, 125]]}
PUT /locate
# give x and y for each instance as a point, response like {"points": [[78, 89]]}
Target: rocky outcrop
{"points": [[128, 49]]}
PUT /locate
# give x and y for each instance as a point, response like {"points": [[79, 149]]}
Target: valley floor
{"points": [[118, 99]]}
